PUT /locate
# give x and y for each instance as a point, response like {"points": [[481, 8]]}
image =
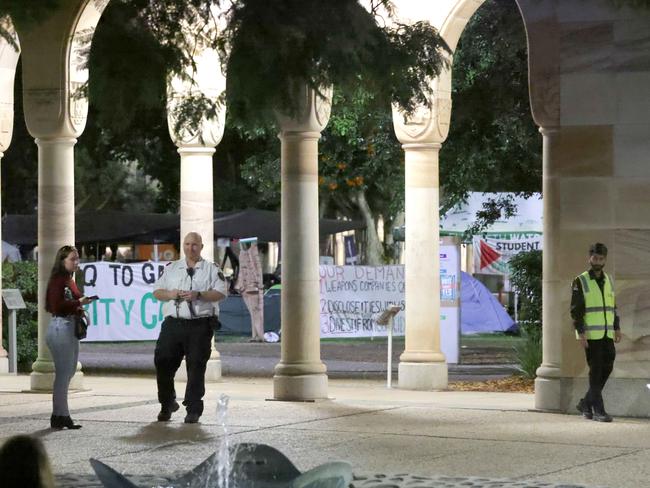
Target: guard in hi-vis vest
{"points": [[593, 309]]}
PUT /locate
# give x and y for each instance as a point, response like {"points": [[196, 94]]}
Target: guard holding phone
{"points": [[191, 288]]}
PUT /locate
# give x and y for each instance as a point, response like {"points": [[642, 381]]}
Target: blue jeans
{"points": [[64, 346]]}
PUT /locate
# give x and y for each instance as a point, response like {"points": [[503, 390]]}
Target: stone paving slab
{"points": [[359, 481], [449, 439]]}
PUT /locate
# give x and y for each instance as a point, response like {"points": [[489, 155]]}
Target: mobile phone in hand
{"points": [[94, 297]]}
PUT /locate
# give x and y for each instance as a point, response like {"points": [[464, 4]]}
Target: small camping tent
{"points": [[480, 312]]}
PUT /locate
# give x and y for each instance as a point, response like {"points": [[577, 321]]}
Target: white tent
{"points": [[10, 253]]}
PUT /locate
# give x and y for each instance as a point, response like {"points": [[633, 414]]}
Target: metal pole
{"points": [[515, 304], [11, 342], [390, 351]]}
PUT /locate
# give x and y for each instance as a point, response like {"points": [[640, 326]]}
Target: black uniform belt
{"points": [[188, 321]]}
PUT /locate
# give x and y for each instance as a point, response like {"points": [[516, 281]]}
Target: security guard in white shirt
{"points": [[191, 288]]}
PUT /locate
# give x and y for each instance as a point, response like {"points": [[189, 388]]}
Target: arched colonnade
{"points": [[589, 71]]}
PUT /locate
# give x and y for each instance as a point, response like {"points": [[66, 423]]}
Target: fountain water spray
{"points": [[244, 465], [224, 460]]}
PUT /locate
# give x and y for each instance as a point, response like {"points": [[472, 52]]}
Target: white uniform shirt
{"points": [[207, 276]]}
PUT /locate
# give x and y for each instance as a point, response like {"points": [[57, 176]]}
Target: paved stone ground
{"points": [[359, 481], [366, 360], [442, 439]]}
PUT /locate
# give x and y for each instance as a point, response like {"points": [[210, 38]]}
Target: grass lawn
{"points": [[490, 340]]}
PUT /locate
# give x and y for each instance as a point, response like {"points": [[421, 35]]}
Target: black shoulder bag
{"points": [[81, 322]]}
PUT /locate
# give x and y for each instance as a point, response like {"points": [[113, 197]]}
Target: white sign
{"points": [[352, 297], [126, 309], [13, 299], [492, 254], [450, 300]]}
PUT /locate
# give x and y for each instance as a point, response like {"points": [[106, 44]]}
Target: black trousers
{"points": [[600, 358], [191, 339]]}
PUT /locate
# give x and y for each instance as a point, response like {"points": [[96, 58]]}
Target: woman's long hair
{"points": [[59, 269]]}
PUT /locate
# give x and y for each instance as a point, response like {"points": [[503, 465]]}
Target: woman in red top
{"points": [[63, 301]]}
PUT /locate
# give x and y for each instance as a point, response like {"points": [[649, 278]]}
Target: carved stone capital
{"points": [[428, 123], [54, 73], [313, 111], [207, 133], [208, 81]]}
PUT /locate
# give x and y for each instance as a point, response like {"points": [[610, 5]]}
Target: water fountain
{"points": [[253, 466], [244, 465]]}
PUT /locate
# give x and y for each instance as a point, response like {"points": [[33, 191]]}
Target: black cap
{"points": [[598, 248]]}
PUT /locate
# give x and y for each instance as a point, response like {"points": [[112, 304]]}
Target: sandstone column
{"points": [[422, 364], [554, 289], [197, 213], [196, 146], [4, 359], [300, 374], [55, 229]]}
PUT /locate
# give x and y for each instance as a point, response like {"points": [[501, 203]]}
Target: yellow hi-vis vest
{"points": [[599, 315]]}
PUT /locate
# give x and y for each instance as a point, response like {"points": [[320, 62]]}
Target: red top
{"points": [[62, 296]]}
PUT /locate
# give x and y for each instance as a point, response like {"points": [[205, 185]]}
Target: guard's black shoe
{"points": [[166, 411], [602, 417], [192, 418], [63, 422], [55, 422], [584, 409]]}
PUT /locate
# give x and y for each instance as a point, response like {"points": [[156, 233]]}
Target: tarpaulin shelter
{"points": [[480, 311], [91, 227], [113, 226]]}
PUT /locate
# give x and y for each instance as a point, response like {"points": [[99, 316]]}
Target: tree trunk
{"points": [[325, 243], [374, 248], [390, 246]]}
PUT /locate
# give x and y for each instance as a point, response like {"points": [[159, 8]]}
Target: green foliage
{"points": [[359, 152], [127, 121], [526, 277], [493, 144], [24, 277], [274, 47], [529, 352]]}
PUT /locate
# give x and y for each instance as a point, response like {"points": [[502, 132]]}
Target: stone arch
{"points": [[423, 363], [81, 35]]}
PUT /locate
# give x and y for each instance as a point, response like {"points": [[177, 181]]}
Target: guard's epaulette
{"points": [[170, 262]]}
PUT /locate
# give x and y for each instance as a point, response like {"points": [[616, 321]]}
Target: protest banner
{"points": [[350, 299], [492, 253], [126, 309]]}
